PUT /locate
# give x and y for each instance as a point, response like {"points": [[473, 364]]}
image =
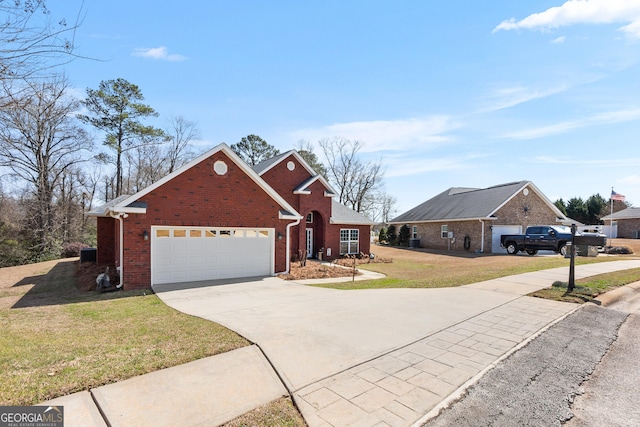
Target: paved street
{"points": [[610, 397], [535, 386]]}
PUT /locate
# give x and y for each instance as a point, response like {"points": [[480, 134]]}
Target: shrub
{"points": [[621, 250], [404, 235], [72, 249]]}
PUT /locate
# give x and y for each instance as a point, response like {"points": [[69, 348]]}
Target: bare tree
{"points": [[40, 141], [356, 182], [31, 43], [181, 133], [305, 149]]}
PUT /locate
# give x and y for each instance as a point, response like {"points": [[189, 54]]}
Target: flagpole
{"points": [[611, 218]]}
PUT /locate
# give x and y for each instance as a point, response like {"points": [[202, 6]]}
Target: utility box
{"points": [[88, 255]]}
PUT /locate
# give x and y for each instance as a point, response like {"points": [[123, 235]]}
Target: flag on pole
{"points": [[617, 196]]}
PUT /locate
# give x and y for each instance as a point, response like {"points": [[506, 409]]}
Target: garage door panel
{"points": [[499, 230], [185, 254]]}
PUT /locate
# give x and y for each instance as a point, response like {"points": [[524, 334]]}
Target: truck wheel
{"points": [[512, 248], [563, 249], [532, 251]]}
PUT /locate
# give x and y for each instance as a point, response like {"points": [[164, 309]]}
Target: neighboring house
{"points": [[216, 218], [473, 219], [628, 223]]}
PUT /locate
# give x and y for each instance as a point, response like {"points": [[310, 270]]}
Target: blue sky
{"points": [[448, 93]]}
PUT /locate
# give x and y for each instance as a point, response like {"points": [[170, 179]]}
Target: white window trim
{"points": [[350, 242], [444, 231]]}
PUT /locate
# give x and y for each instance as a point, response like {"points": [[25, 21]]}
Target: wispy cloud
{"points": [[563, 127], [582, 12], [559, 40], [590, 162], [511, 95], [403, 166], [161, 53], [387, 134]]}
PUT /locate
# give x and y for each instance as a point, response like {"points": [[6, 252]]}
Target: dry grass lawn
{"points": [[421, 268]]}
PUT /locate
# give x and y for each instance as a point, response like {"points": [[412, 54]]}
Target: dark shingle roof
{"points": [[340, 214], [266, 164], [628, 213], [459, 203]]}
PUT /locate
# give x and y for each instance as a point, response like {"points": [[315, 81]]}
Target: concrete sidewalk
{"points": [[372, 357]]}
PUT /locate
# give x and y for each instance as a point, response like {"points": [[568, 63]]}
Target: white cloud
{"points": [[559, 40], [512, 95], [612, 163], [582, 12], [392, 135], [160, 52], [558, 128], [403, 166]]}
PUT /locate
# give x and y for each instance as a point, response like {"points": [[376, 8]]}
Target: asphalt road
{"points": [[537, 385], [610, 395]]}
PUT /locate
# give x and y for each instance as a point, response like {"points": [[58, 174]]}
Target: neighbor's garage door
{"points": [[187, 254], [499, 230]]}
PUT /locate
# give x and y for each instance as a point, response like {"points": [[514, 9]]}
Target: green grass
{"points": [[63, 341], [590, 287], [441, 271]]}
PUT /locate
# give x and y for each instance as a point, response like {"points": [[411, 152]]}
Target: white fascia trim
{"points": [[447, 220], [329, 194], [129, 210], [307, 192], [233, 156], [291, 217]]}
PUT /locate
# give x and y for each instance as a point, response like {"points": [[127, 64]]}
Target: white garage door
{"points": [[499, 230], [187, 254]]}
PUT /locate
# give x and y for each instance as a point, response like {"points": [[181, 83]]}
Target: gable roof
{"points": [[628, 213], [461, 203], [340, 214], [130, 204], [262, 167]]}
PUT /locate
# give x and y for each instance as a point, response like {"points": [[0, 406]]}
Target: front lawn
{"points": [[428, 269], [590, 287], [58, 340]]}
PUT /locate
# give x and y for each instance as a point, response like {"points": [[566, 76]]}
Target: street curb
{"points": [[618, 294]]}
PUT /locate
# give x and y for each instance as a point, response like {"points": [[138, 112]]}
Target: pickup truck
{"points": [[538, 238]]}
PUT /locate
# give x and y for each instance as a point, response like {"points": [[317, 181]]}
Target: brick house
{"points": [[217, 218], [473, 219], [626, 223]]}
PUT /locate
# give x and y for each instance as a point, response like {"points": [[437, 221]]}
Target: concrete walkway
{"points": [[367, 357]]}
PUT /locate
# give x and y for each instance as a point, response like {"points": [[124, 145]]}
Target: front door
{"points": [[309, 242]]}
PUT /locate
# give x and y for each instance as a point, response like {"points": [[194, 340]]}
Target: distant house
{"points": [[216, 217], [628, 223], [473, 219]]}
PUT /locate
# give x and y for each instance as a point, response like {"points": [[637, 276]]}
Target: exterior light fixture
{"points": [[145, 235]]}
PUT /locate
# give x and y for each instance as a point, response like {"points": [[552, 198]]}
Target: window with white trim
{"points": [[444, 231], [349, 241], [414, 232]]}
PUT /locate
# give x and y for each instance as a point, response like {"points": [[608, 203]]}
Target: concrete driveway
{"points": [[386, 356], [311, 333]]}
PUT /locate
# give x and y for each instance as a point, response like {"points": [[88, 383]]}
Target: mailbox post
{"points": [[572, 260], [588, 240]]}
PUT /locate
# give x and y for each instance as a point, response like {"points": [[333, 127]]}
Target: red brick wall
{"points": [[107, 241], [200, 197]]}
